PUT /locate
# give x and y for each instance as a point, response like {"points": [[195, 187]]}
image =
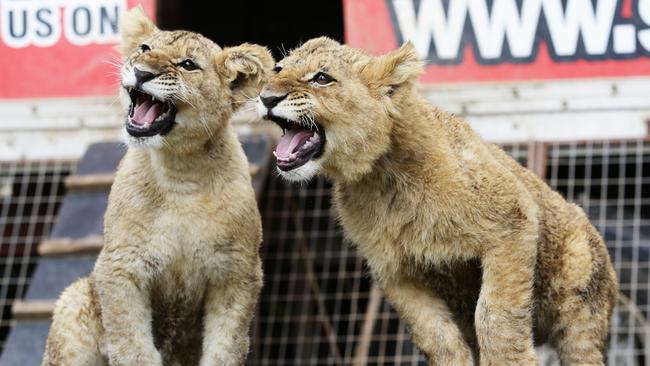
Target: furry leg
{"points": [[74, 338], [433, 329], [585, 291], [503, 316], [228, 312], [579, 337], [126, 309]]}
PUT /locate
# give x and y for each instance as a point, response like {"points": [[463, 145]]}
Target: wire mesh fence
{"points": [[319, 306], [30, 194], [313, 303], [611, 181]]}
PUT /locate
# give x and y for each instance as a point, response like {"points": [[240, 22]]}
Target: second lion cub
{"points": [[178, 278], [475, 252]]}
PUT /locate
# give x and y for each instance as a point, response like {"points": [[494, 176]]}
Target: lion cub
{"points": [[178, 278], [477, 254]]}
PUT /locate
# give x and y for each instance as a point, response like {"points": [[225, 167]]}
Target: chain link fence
{"points": [[319, 306], [30, 194]]}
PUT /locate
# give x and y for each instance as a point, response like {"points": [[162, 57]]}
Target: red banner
{"points": [[481, 40], [61, 48]]}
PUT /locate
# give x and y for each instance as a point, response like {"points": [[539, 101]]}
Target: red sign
{"points": [[481, 40], [60, 48]]}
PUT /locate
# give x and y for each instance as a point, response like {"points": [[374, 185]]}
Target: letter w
{"points": [[579, 18], [490, 31], [431, 21]]}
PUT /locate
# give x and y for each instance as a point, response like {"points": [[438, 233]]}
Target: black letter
{"points": [[45, 23], [104, 18], [75, 23], [11, 24]]}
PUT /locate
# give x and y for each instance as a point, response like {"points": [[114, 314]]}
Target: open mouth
{"points": [[149, 116], [300, 143]]}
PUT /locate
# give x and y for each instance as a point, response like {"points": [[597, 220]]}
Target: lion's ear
{"points": [[244, 65], [135, 27], [394, 69]]}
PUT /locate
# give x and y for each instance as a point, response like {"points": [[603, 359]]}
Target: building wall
{"points": [[51, 129], [500, 112], [550, 111]]}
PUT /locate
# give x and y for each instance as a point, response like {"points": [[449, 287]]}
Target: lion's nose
{"points": [[142, 77], [272, 100]]}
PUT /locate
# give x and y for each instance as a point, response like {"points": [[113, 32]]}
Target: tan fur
{"points": [[178, 278], [477, 254]]}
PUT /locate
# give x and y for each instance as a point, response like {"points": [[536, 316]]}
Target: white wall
{"points": [[507, 112], [56, 128], [550, 111]]}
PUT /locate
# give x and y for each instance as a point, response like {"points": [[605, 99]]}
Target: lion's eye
{"points": [[145, 48], [188, 65], [322, 78], [277, 69]]}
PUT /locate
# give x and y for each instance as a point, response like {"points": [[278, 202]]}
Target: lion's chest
{"points": [[188, 235], [192, 254], [392, 232], [194, 260]]}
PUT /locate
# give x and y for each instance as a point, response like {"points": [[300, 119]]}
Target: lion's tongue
{"points": [[145, 113], [292, 140]]}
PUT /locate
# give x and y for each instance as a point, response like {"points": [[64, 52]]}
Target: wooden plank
{"points": [[89, 182], [32, 309], [103, 182], [570, 126], [541, 157], [52, 144], [537, 156], [494, 107], [66, 246], [364, 339], [34, 111]]}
